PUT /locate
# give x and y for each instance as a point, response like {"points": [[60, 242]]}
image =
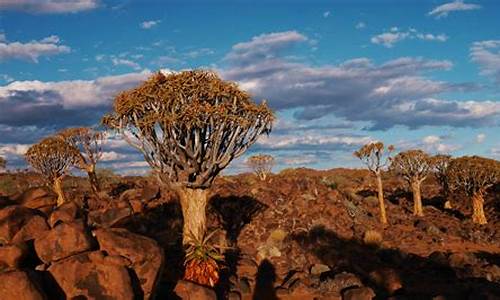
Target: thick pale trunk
{"points": [[383, 216], [417, 199], [94, 182], [262, 176], [478, 215], [193, 203], [59, 191], [448, 205]]}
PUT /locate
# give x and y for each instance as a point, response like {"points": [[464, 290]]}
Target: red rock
{"points": [[190, 291], [62, 241], [387, 278], [15, 217], [361, 293], [109, 217], [33, 193], [90, 276], [137, 206], [65, 213], [12, 256], [18, 285], [145, 255], [34, 228], [150, 192]]}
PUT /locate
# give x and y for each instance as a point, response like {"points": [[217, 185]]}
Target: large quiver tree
{"points": [[440, 164], [376, 157], [89, 144], [413, 166], [474, 175], [189, 126], [261, 164], [53, 157]]}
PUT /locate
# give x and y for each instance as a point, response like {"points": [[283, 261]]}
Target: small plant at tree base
{"points": [[89, 144], [202, 260], [440, 165], [474, 175], [376, 158], [53, 157], [261, 164], [413, 166]]}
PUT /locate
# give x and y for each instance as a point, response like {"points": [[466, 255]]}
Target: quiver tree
{"points": [[53, 157], [376, 157], [3, 163], [261, 165], [474, 175], [189, 126], [413, 166], [440, 165], [89, 144]]}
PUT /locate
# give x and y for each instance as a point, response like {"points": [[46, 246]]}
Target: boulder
{"points": [[18, 285], [150, 192], [65, 213], [33, 193], [191, 291], [318, 269], [360, 293], [12, 256], [387, 278], [91, 276], [145, 256], [109, 217], [35, 227], [13, 218], [62, 241]]}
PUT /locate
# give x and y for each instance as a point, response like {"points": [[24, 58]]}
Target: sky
{"points": [[338, 74]]}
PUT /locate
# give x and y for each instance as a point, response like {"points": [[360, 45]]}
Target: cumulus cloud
{"points": [[32, 50], [48, 6], [396, 92], [487, 55], [150, 24], [480, 138], [395, 35], [458, 5], [125, 62]]}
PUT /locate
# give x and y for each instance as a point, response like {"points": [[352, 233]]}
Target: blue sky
{"points": [[416, 74]]}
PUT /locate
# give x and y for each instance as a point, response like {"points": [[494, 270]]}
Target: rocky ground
{"points": [[302, 234]]}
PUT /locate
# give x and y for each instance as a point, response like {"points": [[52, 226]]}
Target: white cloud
{"points": [[431, 139], [125, 62], [31, 51], [360, 25], [48, 6], [458, 5], [150, 24], [395, 35], [326, 14], [480, 138], [487, 55], [112, 156], [9, 150]]}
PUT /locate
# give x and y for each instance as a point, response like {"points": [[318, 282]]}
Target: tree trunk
{"points": [[94, 182], [383, 217], [417, 199], [478, 215], [193, 204], [59, 191]]}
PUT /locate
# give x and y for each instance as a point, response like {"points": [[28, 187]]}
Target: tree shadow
{"points": [[421, 278], [398, 194], [264, 282]]}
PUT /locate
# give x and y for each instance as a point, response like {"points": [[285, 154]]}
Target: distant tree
{"points": [[261, 164], [413, 166], [89, 144], [189, 126], [376, 158], [3, 163], [53, 157], [440, 165], [474, 175]]}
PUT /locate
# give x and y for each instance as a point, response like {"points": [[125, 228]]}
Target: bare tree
{"points": [[474, 175], [3, 163], [440, 165], [261, 165], [413, 166], [376, 158], [189, 126], [89, 143], [53, 158]]}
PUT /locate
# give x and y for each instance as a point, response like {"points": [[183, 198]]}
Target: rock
{"points": [[387, 278], [144, 254], [15, 217], [32, 194], [65, 213], [62, 241], [150, 192], [35, 227], [190, 291], [137, 206], [268, 251], [460, 260], [18, 285], [361, 293], [109, 217], [90, 276], [12, 256], [318, 269]]}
